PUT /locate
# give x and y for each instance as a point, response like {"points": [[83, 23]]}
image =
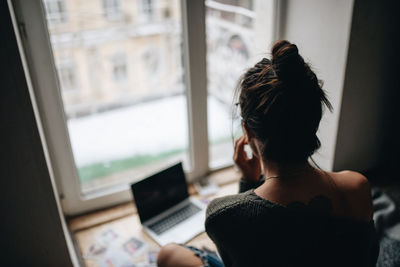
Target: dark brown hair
{"points": [[281, 102]]}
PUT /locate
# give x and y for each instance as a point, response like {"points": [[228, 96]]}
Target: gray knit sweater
{"points": [[251, 231]]}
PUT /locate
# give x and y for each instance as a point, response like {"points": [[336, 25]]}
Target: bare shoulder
{"points": [[356, 192], [351, 181]]}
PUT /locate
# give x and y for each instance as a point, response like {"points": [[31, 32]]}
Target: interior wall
{"points": [[368, 135], [321, 30], [30, 225]]}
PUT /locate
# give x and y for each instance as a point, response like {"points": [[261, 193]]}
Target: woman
{"points": [[294, 214]]}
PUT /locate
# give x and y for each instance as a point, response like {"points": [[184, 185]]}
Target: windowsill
{"points": [[79, 223]]}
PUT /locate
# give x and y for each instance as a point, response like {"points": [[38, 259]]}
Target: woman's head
{"points": [[281, 105]]}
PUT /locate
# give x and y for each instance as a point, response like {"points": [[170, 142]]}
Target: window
{"points": [[67, 76], [133, 102], [56, 11], [119, 68], [151, 61], [147, 10], [142, 98], [112, 9]]}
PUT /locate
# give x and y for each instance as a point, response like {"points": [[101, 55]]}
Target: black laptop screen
{"points": [[159, 192]]}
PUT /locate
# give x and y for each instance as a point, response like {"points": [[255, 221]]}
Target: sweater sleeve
{"points": [[246, 185]]}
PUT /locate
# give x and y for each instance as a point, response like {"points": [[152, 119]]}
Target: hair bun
{"points": [[286, 61]]}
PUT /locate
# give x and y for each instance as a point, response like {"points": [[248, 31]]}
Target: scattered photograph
{"points": [[95, 250], [107, 237], [134, 246]]}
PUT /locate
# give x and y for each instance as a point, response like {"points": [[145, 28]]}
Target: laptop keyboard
{"points": [[174, 218]]}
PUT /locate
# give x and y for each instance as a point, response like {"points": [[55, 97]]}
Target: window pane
{"points": [[238, 34], [120, 70]]}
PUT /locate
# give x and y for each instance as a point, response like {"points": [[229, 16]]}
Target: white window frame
{"points": [[33, 30]]}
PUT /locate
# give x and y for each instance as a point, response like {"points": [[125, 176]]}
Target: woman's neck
{"points": [[274, 169]]}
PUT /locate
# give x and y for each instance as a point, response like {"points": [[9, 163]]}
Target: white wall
{"points": [[367, 136], [321, 30]]}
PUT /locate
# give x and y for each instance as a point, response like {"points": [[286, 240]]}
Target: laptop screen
{"points": [[159, 192]]}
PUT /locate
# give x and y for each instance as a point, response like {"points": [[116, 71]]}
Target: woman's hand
{"points": [[250, 168]]}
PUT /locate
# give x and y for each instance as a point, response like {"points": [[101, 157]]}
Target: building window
{"points": [[147, 10], [112, 9], [67, 76], [151, 60], [119, 68], [55, 11]]}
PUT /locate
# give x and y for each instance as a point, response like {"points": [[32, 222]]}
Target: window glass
{"points": [[238, 34], [121, 84]]}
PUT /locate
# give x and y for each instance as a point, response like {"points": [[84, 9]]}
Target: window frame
{"points": [[34, 34]]}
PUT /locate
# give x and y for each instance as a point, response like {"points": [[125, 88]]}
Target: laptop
{"points": [[166, 211]]}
